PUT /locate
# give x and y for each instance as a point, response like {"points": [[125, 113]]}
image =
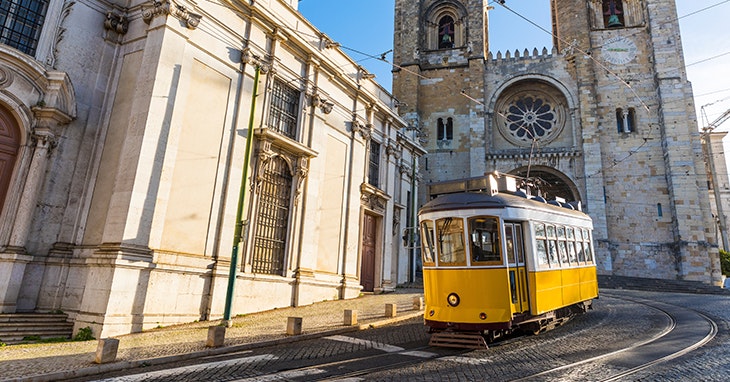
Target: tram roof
{"points": [[477, 200]]}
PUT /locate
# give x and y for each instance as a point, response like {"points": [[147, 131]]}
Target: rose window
{"points": [[530, 111], [529, 118]]}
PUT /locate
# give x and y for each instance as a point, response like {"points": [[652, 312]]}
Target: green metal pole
{"points": [[239, 213]]}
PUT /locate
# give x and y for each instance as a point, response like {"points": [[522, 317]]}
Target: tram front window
{"points": [[484, 237], [427, 235], [450, 236]]}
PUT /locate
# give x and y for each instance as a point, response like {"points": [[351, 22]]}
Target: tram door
{"points": [[516, 263]]}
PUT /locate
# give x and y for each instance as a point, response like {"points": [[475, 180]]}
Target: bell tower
{"points": [[439, 50], [604, 116]]}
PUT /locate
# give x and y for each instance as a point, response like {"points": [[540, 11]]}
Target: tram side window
{"points": [[562, 248], [552, 246], [587, 245], [571, 245], [484, 237], [579, 245], [427, 237], [541, 245], [450, 234]]}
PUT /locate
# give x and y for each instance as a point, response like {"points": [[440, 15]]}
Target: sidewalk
{"points": [[55, 361]]}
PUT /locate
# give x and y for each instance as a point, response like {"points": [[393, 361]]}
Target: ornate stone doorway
{"points": [[9, 145]]}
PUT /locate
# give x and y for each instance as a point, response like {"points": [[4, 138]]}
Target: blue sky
{"points": [[366, 26]]}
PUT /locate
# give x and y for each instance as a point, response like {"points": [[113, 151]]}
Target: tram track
{"points": [[676, 340], [675, 332], [686, 330]]}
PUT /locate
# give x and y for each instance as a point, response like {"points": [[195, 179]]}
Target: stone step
{"points": [[39, 326], [14, 328], [32, 317], [23, 337]]}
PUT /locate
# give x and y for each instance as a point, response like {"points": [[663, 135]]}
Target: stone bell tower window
{"points": [[613, 13], [445, 27], [446, 32], [445, 131], [626, 120]]}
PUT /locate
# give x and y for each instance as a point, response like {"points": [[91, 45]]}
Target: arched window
{"points": [[9, 146], [272, 219], [626, 120], [613, 14], [446, 32], [445, 26]]}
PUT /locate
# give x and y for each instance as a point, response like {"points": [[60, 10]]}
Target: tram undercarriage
{"points": [[450, 336]]}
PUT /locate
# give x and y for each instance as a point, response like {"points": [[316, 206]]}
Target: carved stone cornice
{"points": [[50, 117], [322, 102], [393, 150], [373, 198], [544, 154], [404, 169], [365, 130], [116, 23], [250, 58], [302, 171], [47, 125], [169, 7], [44, 140]]}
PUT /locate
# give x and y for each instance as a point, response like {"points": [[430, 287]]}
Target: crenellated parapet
{"points": [[526, 55]]}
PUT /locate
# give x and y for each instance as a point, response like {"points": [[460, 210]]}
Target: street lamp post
{"points": [[238, 232]]}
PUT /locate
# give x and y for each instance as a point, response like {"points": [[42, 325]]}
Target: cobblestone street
{"points": [[620, 320]]}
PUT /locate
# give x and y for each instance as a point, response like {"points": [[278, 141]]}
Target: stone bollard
{"points": [[350, 317], [216, 336], [418, 303], [390, 310], [106, 350], [294, 326]]}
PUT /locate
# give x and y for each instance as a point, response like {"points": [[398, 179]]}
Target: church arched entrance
{"points": [[552, 182], [9, 145]]}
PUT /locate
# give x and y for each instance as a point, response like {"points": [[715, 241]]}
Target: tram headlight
{"points": [[483, 316], [453, 299]]}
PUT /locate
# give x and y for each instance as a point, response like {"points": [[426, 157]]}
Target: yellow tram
{"points": [[496, 259]]}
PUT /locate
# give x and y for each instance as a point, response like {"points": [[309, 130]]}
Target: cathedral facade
{"points": [[605, 117]]}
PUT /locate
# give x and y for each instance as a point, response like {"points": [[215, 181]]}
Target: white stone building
{"points": [[123, 137]]}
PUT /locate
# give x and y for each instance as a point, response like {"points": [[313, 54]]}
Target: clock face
{"points": [[619, 50]]}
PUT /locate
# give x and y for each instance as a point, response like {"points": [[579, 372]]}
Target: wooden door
{"points": [[9, 144], [369, 239]]}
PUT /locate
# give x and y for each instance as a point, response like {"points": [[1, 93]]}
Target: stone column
{"points": [[43, 141], [48, 121]]}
